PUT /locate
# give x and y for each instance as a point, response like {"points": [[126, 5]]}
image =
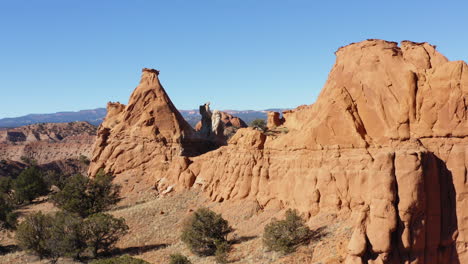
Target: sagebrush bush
{"points": [[179, 259], [285, 235], [204, 230], [120, 260]]}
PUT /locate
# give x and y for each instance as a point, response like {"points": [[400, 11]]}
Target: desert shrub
{"points": [[259, 124], [85, 196], [102, 192], [29, 185], [65, 236], [179, 259], [28, 161], [6, 185], [120, 260], [53, 178], [84, 160], [7, 214], [32, 234], [52, 236], [221, 253], [285, 235], [102, 231], [204, 230], [73, 197]]}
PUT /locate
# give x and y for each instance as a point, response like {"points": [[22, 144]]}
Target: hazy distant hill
{"points": [[95, 117]]}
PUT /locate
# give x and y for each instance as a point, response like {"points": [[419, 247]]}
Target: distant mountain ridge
{"points": [[96, 116], [93, 116]]}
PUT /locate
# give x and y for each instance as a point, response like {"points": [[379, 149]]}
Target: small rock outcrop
{"points": [[274, 120], [217, 126]]}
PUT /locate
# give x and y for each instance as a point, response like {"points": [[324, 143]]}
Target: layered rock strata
{"points": [[47, 142]]}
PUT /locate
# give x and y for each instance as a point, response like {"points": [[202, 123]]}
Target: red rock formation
{"points": [[274, 120], [138, 142], [47, 142], [385, 144], [228, 121]]}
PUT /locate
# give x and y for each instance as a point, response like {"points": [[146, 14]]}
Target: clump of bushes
{"points": [[179, 259], [80, 227], [205, 233], [285, 235], [120, 260], [66, 235]]}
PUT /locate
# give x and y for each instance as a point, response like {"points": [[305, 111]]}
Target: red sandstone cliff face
{"points": [[47, 142], [385, 143]]}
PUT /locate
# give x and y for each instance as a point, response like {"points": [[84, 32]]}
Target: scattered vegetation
{"points": [[259, 124], [81, 228], [205, 233], [85, 196], [285, 235], [179, 259], [120, 260]]}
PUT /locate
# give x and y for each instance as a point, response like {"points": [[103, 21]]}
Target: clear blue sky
{"points": [[239, 54]]}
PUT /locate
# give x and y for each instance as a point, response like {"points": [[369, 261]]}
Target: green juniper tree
{"points": [[205, 232], [285, 235]]}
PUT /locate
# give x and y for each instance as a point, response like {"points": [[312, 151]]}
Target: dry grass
{"points": [[155, 227]]}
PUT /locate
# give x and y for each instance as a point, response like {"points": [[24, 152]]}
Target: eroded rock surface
{"points": [[47, 142], [385, 144], [274, 120], [217, 126]]}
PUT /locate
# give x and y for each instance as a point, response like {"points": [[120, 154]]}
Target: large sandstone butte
{"points": [[385, 144]]}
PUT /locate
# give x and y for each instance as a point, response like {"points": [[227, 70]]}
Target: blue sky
{"points": [[243, 54]]}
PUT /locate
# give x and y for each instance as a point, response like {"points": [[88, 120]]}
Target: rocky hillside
{"points": [[385, 146], [47, 142]]}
